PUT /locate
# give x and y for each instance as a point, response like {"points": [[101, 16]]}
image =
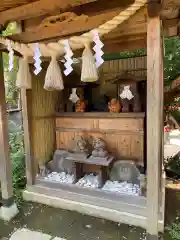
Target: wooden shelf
{"points": [[101, 115]]}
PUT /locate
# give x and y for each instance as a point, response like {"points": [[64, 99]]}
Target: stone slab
{"points": [[26, 234], [93, 160], [57, 238]]}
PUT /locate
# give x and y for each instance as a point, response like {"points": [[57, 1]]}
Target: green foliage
{"points": [[173, 164], [10, 77], [11, 28], [18, 159], [125, 54], [176, 115], [174, 231], [172, 59], [10, 80]]}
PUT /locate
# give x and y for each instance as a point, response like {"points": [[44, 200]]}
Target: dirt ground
{"points": [[75, 226]]}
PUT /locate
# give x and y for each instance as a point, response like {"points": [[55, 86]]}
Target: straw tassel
{"points": [[89, 71], [23, 79], [53, 78]]}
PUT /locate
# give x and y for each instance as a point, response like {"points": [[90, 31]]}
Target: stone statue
{"points": [[99, 148], [79, 147], [80, 144], [43, 170]]}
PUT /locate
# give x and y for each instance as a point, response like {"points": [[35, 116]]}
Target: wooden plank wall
{"points": [[124, 136], [127, 64], [135, 67]]}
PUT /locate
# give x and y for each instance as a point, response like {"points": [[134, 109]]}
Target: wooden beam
{"points": [[5, 161], [171, 22], [61, 30], [90, 9], [3, 49], [170, 4], [176, 2], [125, 43], [171, 27], [125, 46], [38, 8], [155, 84], [94, 8]]}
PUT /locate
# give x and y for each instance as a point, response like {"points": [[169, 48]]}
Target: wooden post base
{"points": [[8, 212]]}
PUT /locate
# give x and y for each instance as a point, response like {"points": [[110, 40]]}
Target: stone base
{"points": [[7, 213], [152, 237], [25, 234]]}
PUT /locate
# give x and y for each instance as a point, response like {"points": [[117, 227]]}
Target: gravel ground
{"points": [[74, 226], [68, 225]]}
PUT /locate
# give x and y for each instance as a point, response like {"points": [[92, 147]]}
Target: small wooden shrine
{"points": [[84, 118]]}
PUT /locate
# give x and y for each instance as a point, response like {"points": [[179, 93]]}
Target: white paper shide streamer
{"points": [[37, 58], [11, 55], [68, 57], [73, 96], [98, 49], [126, 93]]}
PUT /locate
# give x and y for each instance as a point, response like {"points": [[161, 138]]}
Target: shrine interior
{"points": [[100, 136], [104, 94]]}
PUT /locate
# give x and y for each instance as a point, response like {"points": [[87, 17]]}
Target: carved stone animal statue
{"points": [[99, 148]]}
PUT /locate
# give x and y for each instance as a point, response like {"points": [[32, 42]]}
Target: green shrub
{"points": [[18, 159], [173, 164], [176, 115], [174, 231]]}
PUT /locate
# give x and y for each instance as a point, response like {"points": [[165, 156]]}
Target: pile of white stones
{"points": [[122, 187], [89, 180], [61, 177]]}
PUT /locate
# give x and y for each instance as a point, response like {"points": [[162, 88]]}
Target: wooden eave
{"points": [[91, 13]]}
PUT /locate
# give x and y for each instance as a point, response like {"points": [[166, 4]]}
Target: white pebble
{"points": [[122, 187], [90, 181], [60, 177]]}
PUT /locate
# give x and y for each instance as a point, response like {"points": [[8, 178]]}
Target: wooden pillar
{"points": [[25, 104], [5, 162], [155, 84], [8, 209]]}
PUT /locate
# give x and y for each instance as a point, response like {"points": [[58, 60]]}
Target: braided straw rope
{"points": [[76, 42]]}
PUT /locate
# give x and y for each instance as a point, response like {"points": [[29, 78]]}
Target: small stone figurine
{"points": [[81, 144], [43, 171], [114, 105], [79, 148], [99, 149]]}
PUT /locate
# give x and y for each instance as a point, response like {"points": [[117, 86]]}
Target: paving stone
{"points": [[26, 234], [57, 238]]}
